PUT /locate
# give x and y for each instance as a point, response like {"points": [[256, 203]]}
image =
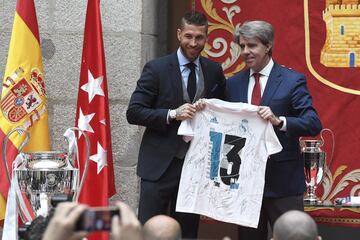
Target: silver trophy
{"points": [[38, 176], [314, 164]]}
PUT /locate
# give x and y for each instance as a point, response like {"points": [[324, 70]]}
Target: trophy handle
{"points": [[21, 131], [333, 143], [77, 194]]}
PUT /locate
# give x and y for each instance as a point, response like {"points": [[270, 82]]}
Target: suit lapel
{"points": [[237, 87], [206, 76], [271, 85], [176, 79], [243, 86]]}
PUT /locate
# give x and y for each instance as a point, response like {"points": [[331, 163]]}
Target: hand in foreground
{"points": [[266, 113], [185, 111], [128, 227], [62, 224]]}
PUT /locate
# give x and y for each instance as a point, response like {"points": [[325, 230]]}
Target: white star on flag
{"points": [[100, 158], [84, 122], [93, 87], [103, 121]]}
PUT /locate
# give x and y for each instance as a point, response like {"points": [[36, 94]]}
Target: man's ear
{"points": [[268, 47], [178, 33]]}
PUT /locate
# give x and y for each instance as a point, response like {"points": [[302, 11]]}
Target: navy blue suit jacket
{"points": [[287, 95], [158, 90]]}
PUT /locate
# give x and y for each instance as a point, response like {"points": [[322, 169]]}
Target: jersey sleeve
{"points": [[186, 130], [273, 144]]}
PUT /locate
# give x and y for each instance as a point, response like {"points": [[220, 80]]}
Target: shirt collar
{"points": [[266, 70], [183, 60]]}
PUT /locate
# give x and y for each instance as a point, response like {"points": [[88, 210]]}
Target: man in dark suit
{"points": [[163, 97], [284, 100]]}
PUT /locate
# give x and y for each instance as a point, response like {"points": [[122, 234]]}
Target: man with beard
{"points": [[166, 94]]}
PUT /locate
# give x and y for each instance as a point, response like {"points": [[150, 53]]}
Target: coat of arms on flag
{"points": [[23, 97]]}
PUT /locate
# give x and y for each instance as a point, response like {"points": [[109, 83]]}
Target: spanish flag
{"points": [[23, 96]]}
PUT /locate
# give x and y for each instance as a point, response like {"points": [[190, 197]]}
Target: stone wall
{"points": [[133, 32]]}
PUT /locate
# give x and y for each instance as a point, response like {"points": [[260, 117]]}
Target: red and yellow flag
{"points": [[23, 96]]}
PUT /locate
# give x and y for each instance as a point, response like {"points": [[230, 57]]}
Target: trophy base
{"points": [[310, 197], [312, 201]]}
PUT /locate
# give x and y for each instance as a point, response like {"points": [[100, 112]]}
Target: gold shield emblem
{"points": [[339, 56]]}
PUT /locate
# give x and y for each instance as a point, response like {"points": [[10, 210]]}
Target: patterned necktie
{"points": [[256, 94], [191, 85]]}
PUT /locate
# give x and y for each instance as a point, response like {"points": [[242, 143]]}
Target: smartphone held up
{"points": [[97, 219]]}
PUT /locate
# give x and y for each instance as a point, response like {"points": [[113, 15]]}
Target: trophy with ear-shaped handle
{"points": [[315, 164], [39, 176]]}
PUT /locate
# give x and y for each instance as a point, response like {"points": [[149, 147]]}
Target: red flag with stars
{"points": [[92, 114]]}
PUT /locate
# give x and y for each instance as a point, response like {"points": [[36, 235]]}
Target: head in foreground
{"points": [[295, 225], [162, 227]]}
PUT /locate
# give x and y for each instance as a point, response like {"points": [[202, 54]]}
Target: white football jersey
{"points": [[223, 174]]}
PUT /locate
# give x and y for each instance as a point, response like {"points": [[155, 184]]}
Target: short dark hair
{"points": [[194, 18]]}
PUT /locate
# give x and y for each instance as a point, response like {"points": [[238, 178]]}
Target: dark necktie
{"points": [[256, 94], [191, 85]]}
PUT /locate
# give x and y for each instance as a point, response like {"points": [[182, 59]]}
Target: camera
{"points": [[97, 219]]}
